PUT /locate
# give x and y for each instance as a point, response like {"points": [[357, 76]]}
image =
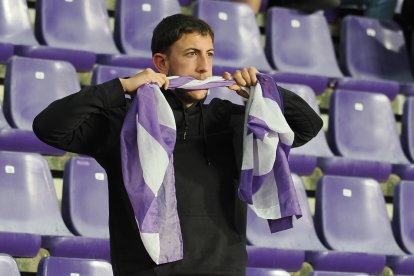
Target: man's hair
{"points": [[172, 28]]}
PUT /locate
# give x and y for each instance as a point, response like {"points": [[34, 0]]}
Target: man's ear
{"points": [[160, 62]]}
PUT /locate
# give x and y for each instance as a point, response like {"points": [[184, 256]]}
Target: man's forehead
{"points": [[195, 40]]}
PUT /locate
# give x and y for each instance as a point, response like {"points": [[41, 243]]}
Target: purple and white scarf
{"points": [[147, 143]]}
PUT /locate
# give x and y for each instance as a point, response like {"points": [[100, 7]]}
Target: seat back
{"points": [[103, 73], [8, 266], [374, 49], [85, 197], [237, 37], [300, 42], [362, 126], [51, 266], [135, 21], [32, 84], [77, 25], [351, 215], [403, 217], [15, 24], [28, 200], [318, 146], [301, 237], [407, 128]]}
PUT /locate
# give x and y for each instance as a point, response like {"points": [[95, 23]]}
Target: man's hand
{"points": [[244, 78], [131, 84]]}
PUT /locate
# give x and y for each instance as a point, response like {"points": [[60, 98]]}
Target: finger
{"points": [[226, 75], [166, 82], [246, 76], [253, 77], [237, 76]]}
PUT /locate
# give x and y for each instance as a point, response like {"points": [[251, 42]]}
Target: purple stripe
{"points": [[148, 119], [245, 188], [281, 224], [269, 88], [258, 127]]}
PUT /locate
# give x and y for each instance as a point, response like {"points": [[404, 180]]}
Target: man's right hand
{"points": [[148, 75]]}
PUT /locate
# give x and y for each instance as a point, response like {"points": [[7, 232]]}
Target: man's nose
{"points": [[204, 63]]}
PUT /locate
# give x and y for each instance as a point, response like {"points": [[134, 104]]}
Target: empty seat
{"points": [[103, 73], [362, 126], [403, 218], [16, 29], [375, 49], [85, 197], [299, 45], [255, 271], [32, 84], [12, 139], [351, 215], [52, 266], [237, 40], [8, 266], [135, 21], [28, 204], [302, 237]]}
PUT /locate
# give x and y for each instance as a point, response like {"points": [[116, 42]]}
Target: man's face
{"points": [[191, 55]]}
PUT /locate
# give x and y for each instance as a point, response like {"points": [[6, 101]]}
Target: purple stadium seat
{"points": [[85, 198], [12, 139], [331, 273], [32, 84], [237, 40], [15, 28], [134, 22], [28, 204], [303, 238], [375, 49], [255, 271], [8, 266], [407, 128], [225, 94], [52, 266], [403, 217], [300, 47], [103, 73], [358, 130], [351, 215], [80, 25]]}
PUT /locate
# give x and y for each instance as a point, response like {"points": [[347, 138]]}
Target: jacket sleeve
{"points": [[83, 122], [302, 119]]}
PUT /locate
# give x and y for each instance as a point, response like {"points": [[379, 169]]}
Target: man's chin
{"points": [[194, 95]]}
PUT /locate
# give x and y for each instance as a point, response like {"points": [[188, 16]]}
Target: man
{"points": [[206, 165]]}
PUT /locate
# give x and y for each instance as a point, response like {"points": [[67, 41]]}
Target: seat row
{"points": [[360, 140], [350, 232], [372, 54]]}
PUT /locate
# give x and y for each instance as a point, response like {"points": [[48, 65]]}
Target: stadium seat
{"points": [[407, 128], [103, 73], [300, 47], [8, 266], [351, 215], [16, 29], [135, 21], [6, 51], [28, 204], [375, 49], [403, 218], [52, 266], [237, 40], [362, 126], [12, 139], [302, 237], [255, 271], [82, 25], [85, 198], [32, 84]]}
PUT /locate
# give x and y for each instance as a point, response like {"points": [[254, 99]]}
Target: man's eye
{"points": [[210, 54], [192, 53]]}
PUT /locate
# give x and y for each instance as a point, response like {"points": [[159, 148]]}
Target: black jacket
{"points": [[207, 160]]}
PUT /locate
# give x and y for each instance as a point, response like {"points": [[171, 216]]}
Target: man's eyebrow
{"points": [[198, 50]]}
